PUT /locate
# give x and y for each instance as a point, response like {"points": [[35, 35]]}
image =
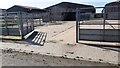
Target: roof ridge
{"points": [[29, 7], [69, 3]]}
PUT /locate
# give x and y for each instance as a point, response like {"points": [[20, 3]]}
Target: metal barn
{"points": [[37, 12], [113, 10], [65, 11]]}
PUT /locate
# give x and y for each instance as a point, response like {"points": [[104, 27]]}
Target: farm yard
{"points": [[64, 34], [60, 42]]}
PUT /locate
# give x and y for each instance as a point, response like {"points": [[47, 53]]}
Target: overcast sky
{"points": [[4, 4]]}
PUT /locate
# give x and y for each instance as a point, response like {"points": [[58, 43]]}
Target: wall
{"points": [[57, 13], [113, 15], [112, 11]]}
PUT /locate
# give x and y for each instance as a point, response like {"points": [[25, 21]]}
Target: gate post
{"points": [[104, 17], [32, 22], [21, 25], [6, 23], [77, 17]]}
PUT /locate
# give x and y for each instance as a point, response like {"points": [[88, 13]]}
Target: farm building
{"points": [[113, 10], [18, 8], [65, 11]]}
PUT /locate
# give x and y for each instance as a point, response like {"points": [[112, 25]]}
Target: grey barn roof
{"points": [[2, 10], [117, 3], [70, 5], [25, 7]]}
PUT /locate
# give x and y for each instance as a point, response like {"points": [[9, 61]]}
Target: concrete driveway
{"points": [[60, 42]]}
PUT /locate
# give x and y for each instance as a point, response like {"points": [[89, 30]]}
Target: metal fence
{"points": [[96, 26], [16, 24], [38, 19]]}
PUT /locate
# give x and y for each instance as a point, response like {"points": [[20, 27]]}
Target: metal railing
{"points": [[16, 24], [96, 26]]}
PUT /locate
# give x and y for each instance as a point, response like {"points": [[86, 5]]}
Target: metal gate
{"points": [[96, 26], [16, 24]]}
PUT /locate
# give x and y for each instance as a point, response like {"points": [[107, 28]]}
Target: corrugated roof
{"points": [[70, 5], [2, 9], [27, 7], [113, 3]]}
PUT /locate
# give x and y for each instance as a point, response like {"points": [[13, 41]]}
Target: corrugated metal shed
{"points": [[66, 11], [113, 10], [70, 5]]}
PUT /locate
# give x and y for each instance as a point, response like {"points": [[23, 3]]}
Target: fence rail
{"points": [[16, 24], [92, 28]]}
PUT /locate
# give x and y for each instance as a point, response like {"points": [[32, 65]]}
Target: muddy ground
{"points": [[15, 58]]}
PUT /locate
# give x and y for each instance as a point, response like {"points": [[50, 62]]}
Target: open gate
{"points": [[96, 26]]}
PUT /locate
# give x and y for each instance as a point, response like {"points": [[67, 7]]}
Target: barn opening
{"points": [[69, 16]]}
